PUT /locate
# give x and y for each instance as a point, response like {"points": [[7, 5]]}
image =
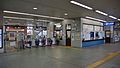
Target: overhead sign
{"points": [[108, 23]]}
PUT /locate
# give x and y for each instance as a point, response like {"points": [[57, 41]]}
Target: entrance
{"points": [[57, 34], [68, 35]]}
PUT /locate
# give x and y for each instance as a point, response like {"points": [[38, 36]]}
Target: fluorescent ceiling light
{"points": [[112, 17], [17, 18], [43, 20], [118, 19], [58, 25], [33, 15], [82, 5], [95, 19], [100, 12], [7, 17], [35, 8]]}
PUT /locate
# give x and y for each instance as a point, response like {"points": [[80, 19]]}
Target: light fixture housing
{"points": [[100, 12], [82, 5], [95, 19]]}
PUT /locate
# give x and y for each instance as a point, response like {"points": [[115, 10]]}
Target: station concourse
{"points": [[59, 34]]}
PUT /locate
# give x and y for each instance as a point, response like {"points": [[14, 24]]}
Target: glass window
{"points": [[91, 32], [87, 32], [97, 28]]}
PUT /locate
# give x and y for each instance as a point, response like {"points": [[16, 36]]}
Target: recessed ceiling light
{"points": [[112, 17], [95, 19], [35, 8], [100, 12], [65, 14], [82, 5]]}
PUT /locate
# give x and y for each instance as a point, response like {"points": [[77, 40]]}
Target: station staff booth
{"points": [[92, 33]]}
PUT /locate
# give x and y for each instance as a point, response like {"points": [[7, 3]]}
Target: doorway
{"points": [[108, 36], [68, 35]]}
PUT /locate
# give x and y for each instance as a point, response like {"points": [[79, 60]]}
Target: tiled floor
{"points": [[113, 63], [61, 57]]}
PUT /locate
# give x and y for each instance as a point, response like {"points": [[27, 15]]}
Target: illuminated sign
{"points": [[1, 38], [108, 23]]}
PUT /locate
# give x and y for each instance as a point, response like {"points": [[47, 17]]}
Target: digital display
{"points": [[108, 23], [1, 38]]}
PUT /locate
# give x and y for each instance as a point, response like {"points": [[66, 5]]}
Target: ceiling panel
{"points": [[59, 7]]}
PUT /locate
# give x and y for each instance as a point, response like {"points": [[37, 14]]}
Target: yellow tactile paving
{"points": [[110, 56]]}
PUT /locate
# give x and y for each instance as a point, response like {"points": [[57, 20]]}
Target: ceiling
{"points": [[57, 8]]}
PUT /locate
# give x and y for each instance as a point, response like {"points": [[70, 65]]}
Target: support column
{"points": [[64, 23], [50, 29], [76, 33]]}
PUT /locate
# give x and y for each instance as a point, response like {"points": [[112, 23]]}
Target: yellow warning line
{"points": [[94, 65], [72, 47], [67, 46]]}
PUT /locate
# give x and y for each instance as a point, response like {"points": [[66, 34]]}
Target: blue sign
{"points": [[108, 23]]}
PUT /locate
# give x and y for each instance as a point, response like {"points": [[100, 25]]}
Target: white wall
{"points": [[75, 34]]}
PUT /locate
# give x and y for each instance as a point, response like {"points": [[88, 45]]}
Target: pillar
{"points": [[76, 33]]}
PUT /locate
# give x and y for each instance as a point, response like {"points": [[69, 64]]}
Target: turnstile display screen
{"points": [[1, 38]]}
